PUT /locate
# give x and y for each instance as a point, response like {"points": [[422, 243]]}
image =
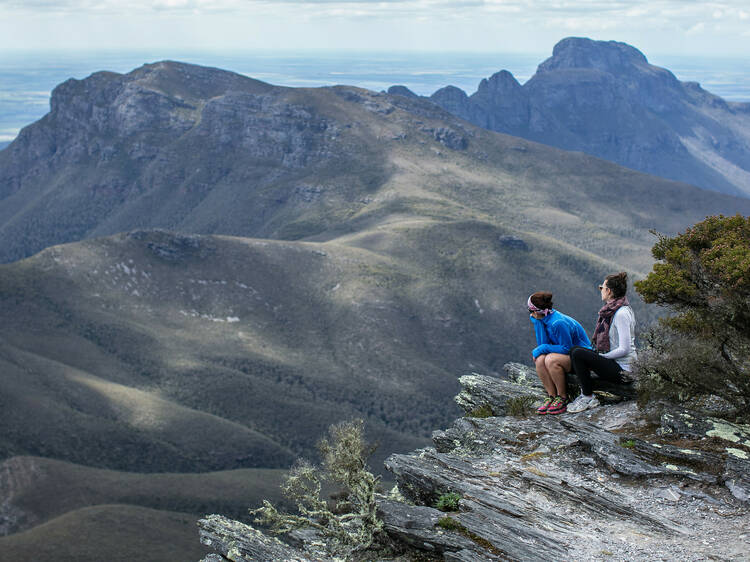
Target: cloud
{"points": [[397, 24], [7, 135]]}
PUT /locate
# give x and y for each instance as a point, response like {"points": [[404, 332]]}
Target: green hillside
{"points": [[116, 533], [42, 489]]}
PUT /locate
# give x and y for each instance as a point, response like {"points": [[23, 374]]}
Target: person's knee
{"points": [[551, 361], [556, 361]]}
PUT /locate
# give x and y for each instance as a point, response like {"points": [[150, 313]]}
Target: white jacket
{"points": [[622, 349]]}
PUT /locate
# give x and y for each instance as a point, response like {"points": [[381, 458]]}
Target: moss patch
{"points": [[483, 411], [450, 524], [521, 405], [532, 456]]}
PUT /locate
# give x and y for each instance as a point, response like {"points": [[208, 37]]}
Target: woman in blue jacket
{"points": [[556, 334]]}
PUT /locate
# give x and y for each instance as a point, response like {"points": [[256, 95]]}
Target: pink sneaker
{"points": [[543, 408], [559, 406]]}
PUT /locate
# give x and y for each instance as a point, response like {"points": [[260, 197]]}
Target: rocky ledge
{"points": [[614, 483]]}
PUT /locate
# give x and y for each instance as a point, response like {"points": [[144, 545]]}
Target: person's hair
{"points": [[542, 299], [618, 284]]}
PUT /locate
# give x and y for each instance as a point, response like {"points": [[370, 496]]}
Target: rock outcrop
{"points": [[605, 99], [581, 487]]}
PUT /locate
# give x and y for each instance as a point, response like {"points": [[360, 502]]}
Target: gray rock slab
{"points": [[521, 513], [418, 527], [613, 450], [737, 475], [694, 426], [480, 390], [242, 543]]}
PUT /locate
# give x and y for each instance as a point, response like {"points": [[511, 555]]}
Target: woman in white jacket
{"points": [[614, 342]]}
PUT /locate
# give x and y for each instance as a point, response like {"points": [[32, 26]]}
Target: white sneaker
{"points": [[582, 403]]}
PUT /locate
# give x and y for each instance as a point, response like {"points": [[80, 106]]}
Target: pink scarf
{"points": [[601, 332]]}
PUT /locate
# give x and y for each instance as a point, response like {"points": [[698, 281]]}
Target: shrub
{"points": [[521, 405], [704, 277], [352, 524], [448, 502], [483, 411]]}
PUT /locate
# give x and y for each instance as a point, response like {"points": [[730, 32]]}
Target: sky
{"points": [[719, 28]]}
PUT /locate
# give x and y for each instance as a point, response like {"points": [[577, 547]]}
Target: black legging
{"points": [[585, 360]]}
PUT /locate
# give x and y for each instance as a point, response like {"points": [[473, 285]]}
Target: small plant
{"points": [[483, 411], [521, 405], [629, 444], [450, 524], [448, 502], [351, 525]]}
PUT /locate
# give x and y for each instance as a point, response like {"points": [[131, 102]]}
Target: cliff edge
{"points": [[615, 481]]}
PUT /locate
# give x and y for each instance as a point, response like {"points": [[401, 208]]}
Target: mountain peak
{"points": [[178, 81], [581, 52]]}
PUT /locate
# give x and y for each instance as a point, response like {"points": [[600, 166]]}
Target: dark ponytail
{"points": [[542, 300], [618, 284]]}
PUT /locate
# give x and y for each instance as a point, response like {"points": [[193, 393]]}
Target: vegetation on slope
{"points": [[36, 490], [116, 533], [703, 275]]}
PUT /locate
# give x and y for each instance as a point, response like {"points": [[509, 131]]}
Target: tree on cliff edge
{"points": [[704, 276]]}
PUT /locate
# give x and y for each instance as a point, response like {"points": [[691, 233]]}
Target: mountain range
{"points": [[604, 98], [220, 268]]}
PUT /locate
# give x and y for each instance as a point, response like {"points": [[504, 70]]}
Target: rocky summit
{"points": [[611, 483], [604, 98]]}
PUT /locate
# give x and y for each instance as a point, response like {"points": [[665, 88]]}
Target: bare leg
{"points": [[544, 375], [557, 365]]}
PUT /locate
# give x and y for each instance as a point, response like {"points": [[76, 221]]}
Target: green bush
{"points": [[483, 411], [448, 502], [703, 276], [521, 405], [351, 525]]}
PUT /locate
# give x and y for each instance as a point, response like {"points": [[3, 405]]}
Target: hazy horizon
{"points": [[28, 76]]}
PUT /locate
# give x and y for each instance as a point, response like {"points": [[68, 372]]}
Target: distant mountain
{"points": [[604, 98], [202, 150], [3, 144]]}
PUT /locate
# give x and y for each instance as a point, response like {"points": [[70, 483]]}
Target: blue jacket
{"points": [[557, 333]]}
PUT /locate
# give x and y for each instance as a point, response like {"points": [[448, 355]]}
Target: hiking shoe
{"points": [[558, 406], [582, 403], [543, 408]]}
